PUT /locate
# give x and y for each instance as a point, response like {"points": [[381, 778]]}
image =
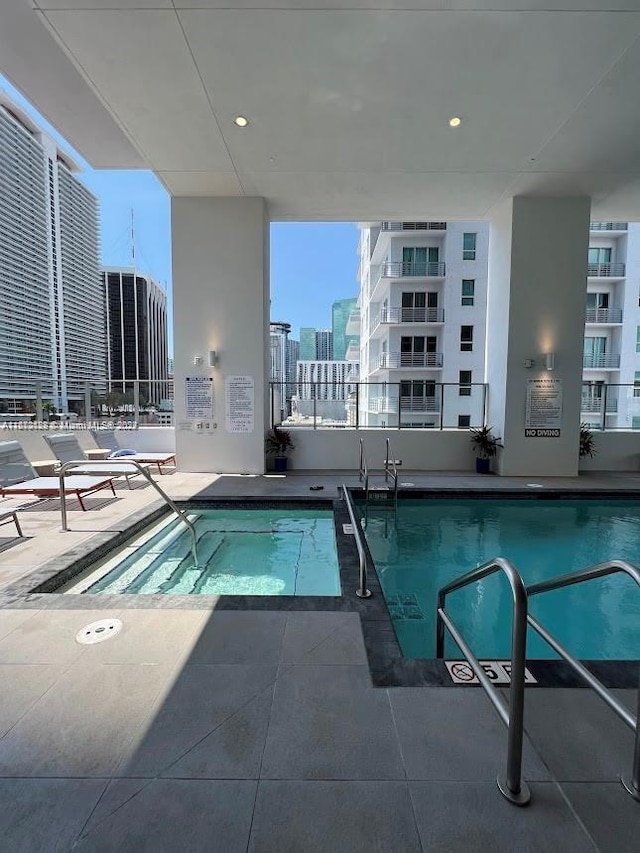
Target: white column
{"points": [[220, 302], [536, 305]]}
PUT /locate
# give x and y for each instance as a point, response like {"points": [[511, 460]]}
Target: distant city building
{"points": [[278, 339], [51, 304], [323, 380], [293, 356], [136, 333], [324, 345], [340, 312], [307, 344]]}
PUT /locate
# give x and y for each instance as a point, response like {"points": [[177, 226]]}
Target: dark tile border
{"points": [[388, 667]]}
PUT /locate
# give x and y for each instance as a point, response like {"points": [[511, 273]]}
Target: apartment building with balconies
{"points": [[422, 322], [611, 378]]}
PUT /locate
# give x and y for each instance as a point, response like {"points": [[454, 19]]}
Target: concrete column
{"points": [[220, 302], [536, 305]]}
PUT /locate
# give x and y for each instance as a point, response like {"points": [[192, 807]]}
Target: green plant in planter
{"points": [[486, 445], [587, 442], [277, 443]]}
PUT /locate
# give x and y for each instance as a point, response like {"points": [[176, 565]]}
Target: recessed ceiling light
{"points": [[241, 121], [455, 121]]}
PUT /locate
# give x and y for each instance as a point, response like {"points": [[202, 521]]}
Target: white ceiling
{"points": [[348, 102]]}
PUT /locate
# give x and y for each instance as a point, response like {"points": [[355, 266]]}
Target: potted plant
{"points": [[277, 443], [587, 443], [486, 447]]}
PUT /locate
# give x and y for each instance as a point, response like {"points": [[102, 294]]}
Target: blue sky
{"points": [[312, 264]]}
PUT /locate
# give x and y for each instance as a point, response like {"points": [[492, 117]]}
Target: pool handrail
{"points": [[363, 472], [68, 466], [363, 591], [391, 470], [630, 782], [511, 785]]}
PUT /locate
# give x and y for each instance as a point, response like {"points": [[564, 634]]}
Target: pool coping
{"points": [[387, 665]]}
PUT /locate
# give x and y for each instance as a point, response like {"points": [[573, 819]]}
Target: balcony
{"points": [[603, 316], [608, 226], [424, 360], [410, 316], [353, 323], [414, 226], [601, 361], [402, 269], [606, 271], [594, 404], [353, 352], [389, 405]]}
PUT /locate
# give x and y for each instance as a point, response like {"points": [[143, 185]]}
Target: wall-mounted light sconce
{"points": [[549, 360], [197, 360], [213, 358], [528, 363]]}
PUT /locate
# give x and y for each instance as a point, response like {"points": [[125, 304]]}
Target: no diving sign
{"points": [[498, 671]]}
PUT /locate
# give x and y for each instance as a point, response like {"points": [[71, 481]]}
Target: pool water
{"points": [[240, 552], [430, 542]]}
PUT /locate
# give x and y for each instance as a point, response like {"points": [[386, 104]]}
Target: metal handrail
{"points": [[512, 785], [362, 591], [68, 466], [364, 469], [391, 470], [632, 782]]}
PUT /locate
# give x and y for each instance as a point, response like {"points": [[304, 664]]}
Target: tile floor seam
{"points": [[577, 817], [90, 815], [404, 767]]}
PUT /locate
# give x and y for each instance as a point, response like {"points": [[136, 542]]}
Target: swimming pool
{"points": [[240, 552], [432, 541]]}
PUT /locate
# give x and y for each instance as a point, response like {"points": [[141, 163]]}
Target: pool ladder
{"points": [[511, 784], [388, 492]]}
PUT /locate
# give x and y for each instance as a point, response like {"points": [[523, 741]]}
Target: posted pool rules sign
{"points": [[543, 415]]}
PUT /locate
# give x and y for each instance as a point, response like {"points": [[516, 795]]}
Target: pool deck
{"points": [[228, 730]]}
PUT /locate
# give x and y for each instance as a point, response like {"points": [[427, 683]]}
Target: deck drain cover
{"points": [[97, 632]]}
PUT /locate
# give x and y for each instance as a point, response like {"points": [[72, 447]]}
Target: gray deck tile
{"points": [[11, 619], [475, 818], [323, 638], [45, 815], [85, 723], [49, 637], [175, 814], [577, 735], [240, 637], [327, 722], [150, 636], [609, 813], [336, 817], [454, 734], [212, 720], [23, 685]]}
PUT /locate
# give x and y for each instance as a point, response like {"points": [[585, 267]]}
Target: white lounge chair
{"points": [[66, 448], [17, 477], [10, 515], [106, 439]]}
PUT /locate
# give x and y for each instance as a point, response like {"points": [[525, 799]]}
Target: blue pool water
{"points": [[240, 552], [430, 542]]}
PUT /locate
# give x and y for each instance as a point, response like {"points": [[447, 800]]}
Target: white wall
{"points": [[617, 451], [537, 296], [221, 302], [425, 450]]}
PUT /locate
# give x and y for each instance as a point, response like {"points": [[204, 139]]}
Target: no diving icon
{"points": [[498, 671]]}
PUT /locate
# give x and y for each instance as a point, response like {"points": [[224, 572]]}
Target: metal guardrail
{"points": [[598, 361], [606, 271], [608, 226], [408, 315], [511, 785], [414, 226], [392, 360], [391, 470], [603, 315], [363, 469], [401, 269], [631, 782], [363, 591], [68, 466]]}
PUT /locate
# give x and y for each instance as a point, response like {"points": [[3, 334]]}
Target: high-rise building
{"points": [[423, 297], [324, 345], [136, 333], [340, 312], [278, 338], [307, 343], [51, 303]]}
